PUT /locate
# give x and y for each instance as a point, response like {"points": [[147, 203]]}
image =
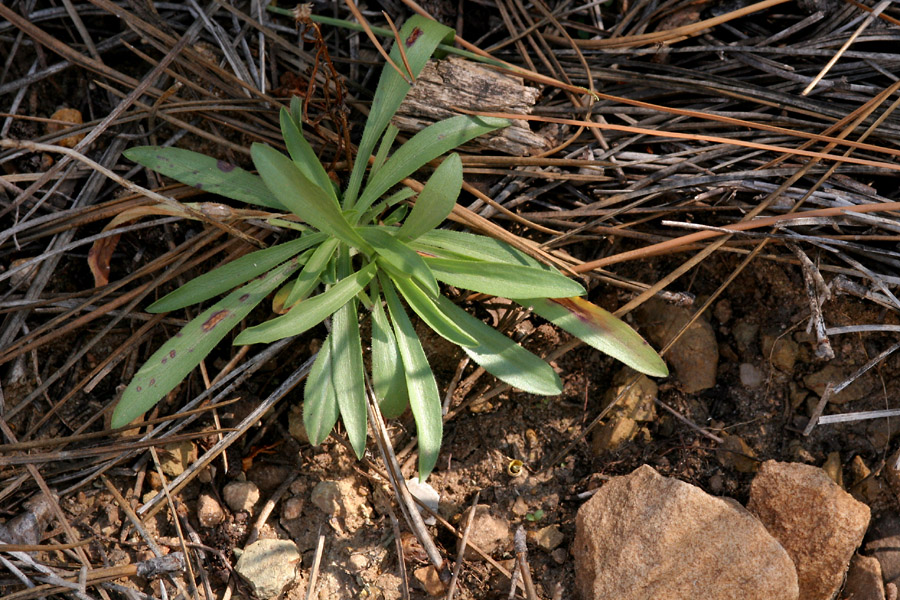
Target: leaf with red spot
{"points": [[600, 329], [178, 356], [205, 173]]}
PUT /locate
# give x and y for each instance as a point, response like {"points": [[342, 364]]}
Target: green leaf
{"points": [[206, 173], [602, 330], [468, 246], [178, 356], [388, 380], [310, 312], [224, 278], [423, 393], [436, 200], [401, 257], [428, 144], [384, 148], [505, 280], [347, 375], [320, 403], [502, 357], [420, 37], [312, 272], [304, 156], [395, 198], [432, 314], [304, 198]]}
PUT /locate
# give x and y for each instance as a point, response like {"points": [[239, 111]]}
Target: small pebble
{"points": [[292, 508], [209, 512], [241, 495], [751, 376]]}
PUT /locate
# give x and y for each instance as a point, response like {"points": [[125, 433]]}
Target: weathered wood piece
{"points": [[457, 82]]}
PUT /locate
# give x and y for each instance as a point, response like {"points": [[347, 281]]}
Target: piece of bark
{"points": [[471, 86]]}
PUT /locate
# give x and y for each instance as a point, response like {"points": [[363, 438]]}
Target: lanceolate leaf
{"points": [[309, 313], [600, 329], [436, 199], [347, 378], [400, 256], [420, 38], [432, 315], [312, 272], [388, 380], [304, 156], [206, 173], [502, 357], [178, 356], [304, 198], [468, 246], [505, 280], [423, 393], [428, 144], [320, 405], [222, 279]]}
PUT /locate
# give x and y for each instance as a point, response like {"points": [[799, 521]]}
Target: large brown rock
{"points": [[819, 524], [644, 536]]}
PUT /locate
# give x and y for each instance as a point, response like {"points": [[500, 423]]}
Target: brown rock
{"points": [[695, 356], [735, 453], [209, 512], [488, 532], [430, 580], [834, 375], [644, 536], [67, 115], [241, 495], [635, 405], [547, 538], [819, 524], [863, 579]]}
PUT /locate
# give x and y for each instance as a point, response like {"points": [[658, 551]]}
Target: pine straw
{"points": [[767, 133]]}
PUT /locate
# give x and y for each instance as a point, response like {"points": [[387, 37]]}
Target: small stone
{"points": [[427, 495], [834, 375], [744, 334], [268, 476], [358, 562], [890, 591], [751, 376], [647, 536], [734, 453], [884, 545], [560, 556], [209, 512], [69, 116], [176, 457], [24, 277], [863, 579], [241, 495], [636, 404], [781, 350], [819, 524], [799, 453], [488, 532], [547, 538], [430, 580], [833, 468], [295, 424], [722, 311], [292, 508], [268, 566], [520, 507], [343, 499], [695, 356]]}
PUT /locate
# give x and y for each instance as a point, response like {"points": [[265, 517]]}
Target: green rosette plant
{"points": [[364, 250]]}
